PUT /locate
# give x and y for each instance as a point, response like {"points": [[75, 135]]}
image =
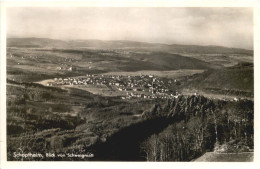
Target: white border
{"points": [[128, 3]]}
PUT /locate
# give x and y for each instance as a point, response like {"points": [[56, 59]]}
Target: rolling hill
{"points": [[167, 61], [120, 44], [236, 80]]}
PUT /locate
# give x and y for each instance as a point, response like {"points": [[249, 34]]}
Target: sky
{"points": [[231, 27]]}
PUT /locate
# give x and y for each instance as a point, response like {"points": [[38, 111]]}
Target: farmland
{"points": [[175, 74]]}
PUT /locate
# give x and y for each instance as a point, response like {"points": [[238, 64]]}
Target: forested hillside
{"points": [[201, 125]]}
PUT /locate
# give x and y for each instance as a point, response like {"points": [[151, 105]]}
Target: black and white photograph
{"points": [[129, 84]]}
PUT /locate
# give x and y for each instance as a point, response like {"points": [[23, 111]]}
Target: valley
{"points": [[101, 97]]}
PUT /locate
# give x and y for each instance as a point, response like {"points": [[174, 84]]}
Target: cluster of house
{"points": [[21, 56], [143, 86], [64, 65], [91, 79]]}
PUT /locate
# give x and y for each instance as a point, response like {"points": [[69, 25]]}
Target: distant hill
{"points": [[120, 44], [35, 42], [166, 61]]}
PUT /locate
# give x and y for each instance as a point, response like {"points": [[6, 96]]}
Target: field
{"points": [[174, 74], [101, 90]]}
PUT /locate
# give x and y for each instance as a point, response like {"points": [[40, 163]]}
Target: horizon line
{"points": [[159, 43]]}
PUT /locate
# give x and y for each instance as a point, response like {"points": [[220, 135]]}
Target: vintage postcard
{"points": [[128, 83]]}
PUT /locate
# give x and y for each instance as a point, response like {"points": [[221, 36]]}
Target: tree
{"points": [[151, 148]]}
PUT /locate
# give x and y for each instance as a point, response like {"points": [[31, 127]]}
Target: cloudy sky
{"points": [[231, 27]]}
